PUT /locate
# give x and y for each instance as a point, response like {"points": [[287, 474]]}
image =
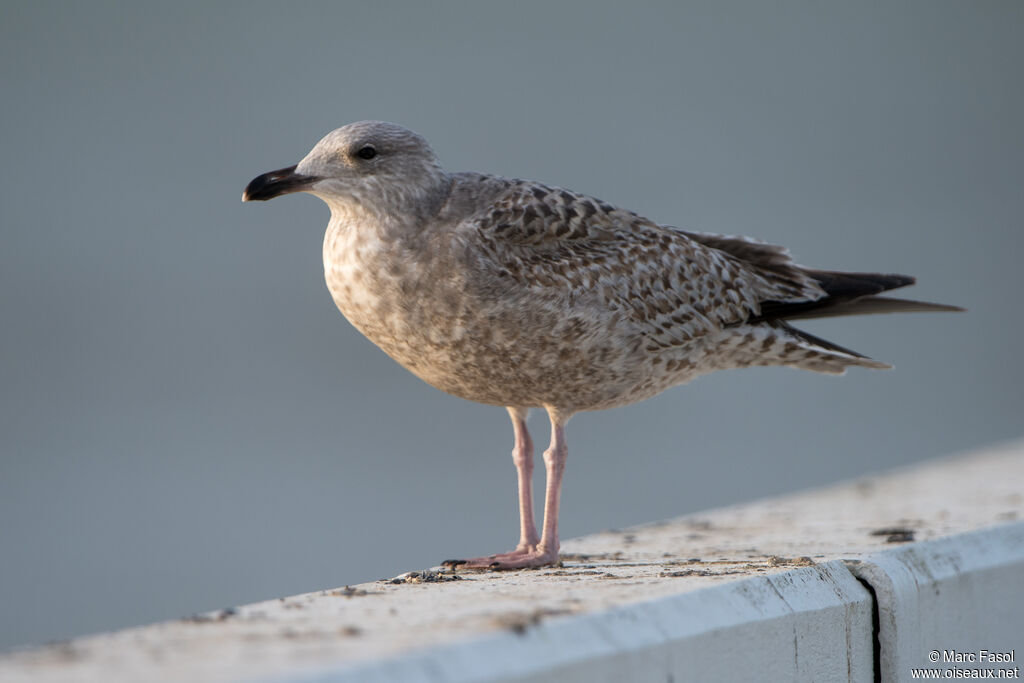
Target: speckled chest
{"points": [[406, 299]]}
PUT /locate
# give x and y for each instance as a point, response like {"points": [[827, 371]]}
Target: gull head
{"points": [[369, 165]]}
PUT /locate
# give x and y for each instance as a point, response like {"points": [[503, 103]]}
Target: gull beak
{"points": [[277, 183]]}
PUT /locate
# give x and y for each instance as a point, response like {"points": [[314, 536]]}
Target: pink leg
{"points": [[522, 456], [529, 553]]}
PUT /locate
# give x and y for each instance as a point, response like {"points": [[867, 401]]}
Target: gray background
{"points": [[186, 422]]}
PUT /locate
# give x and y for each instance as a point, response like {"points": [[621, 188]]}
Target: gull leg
{"points": [[546, 552], [522, 456], [554, 462]]}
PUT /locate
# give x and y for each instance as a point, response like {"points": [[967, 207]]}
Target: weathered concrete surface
{"points": [[757, 591], [811, 623]]}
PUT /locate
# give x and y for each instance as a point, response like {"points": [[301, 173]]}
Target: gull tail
{"points": [[845, 294]]}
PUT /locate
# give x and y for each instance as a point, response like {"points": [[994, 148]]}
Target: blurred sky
{"points": [[186, 422]]}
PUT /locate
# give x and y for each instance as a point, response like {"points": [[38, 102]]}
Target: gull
{"points": [[518, 294]]}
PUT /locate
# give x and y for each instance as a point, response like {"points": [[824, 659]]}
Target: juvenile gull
{"points": [[517, 294]]}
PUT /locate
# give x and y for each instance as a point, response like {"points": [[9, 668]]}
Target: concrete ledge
{"points": [[785, 588], [961, 594], [812, 623]]}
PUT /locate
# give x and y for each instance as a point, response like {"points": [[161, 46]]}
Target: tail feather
{"points": [[817, 342]]}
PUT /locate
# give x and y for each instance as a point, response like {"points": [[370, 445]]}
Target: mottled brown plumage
{"points": [[518, 294]]}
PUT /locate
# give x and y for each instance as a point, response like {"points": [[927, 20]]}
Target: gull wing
{"points": [[671, 285]]}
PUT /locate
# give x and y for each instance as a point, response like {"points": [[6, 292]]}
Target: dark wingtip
{"points": [[901, 280], [849, 294], [840, 284]]}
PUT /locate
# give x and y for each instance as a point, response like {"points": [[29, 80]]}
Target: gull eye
{"points": [[367, 152]]}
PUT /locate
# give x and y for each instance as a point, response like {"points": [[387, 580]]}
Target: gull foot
{"points": [[517, 559]]}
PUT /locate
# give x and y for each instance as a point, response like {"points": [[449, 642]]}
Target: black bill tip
{"points": [[275, 184]]}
